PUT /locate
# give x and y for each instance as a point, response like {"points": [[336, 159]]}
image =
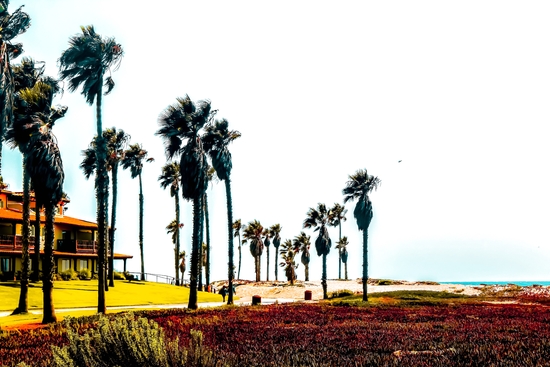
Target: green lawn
{"points": [[83, 293]]}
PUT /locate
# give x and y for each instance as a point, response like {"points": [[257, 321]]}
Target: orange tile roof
{"points": [[14, 214]]}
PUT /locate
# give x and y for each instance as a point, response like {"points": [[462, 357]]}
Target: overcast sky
{"points": [[458, 91]]}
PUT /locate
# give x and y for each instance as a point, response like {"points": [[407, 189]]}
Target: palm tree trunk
{"points": [[307, 272], [197, 218], [23, 306], [176, 197], [102, 197], [365, 264], [201, 247], [230, 264], [346, 270], [267, 272], [141, 227], [276, 260], [324, 277], [48, 267], [113, 226], [240, 256], [36, 257], [207, 223], [340, 250], [257, 268]]}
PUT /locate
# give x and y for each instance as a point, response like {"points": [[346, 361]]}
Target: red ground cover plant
{"points": [[323, 335]]}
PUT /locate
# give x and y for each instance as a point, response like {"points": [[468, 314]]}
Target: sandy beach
{"points": [[282, 290]]}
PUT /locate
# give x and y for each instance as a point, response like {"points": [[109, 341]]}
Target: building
{"points": [[74, 239]]}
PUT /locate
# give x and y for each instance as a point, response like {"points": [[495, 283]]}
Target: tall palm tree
{"points": [[179, 123], [358, 187], [319, 219], [116, 143], [216, 142], [85, 63], [211, 178], [11, 25], [32, 111], [170, 177], [342, 248], [44, 167], [267, 243], [253, 233], [134, 157], [237, 233], [288, 263], [338, 215], [25, 76], [275, 231], [302, 243]]}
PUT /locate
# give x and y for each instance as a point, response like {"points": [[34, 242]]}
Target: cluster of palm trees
{"points": [[191, 135], [358, 187]]}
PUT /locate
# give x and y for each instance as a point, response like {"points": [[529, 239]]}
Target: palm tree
{"points": [[253, 233], [338, 215], [211, 178], [11, 25], [44, 167], [32, 112], [181, 122], [237, 233], [85, 63], [302, 243], [182, 265], [116, 143], [288, 263], [170, 177], [319, 219], [133, 159], [267, 243], [216, 142], [275, 231], [342, 249], [358, 187], [173, 228]]}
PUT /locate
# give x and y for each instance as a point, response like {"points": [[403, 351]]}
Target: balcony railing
{"points": [[77, 246], [14, 242]]}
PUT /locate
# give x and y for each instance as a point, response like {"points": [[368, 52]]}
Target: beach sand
{"points": [[282, 290]]}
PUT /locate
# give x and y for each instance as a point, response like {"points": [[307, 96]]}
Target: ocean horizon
{"points": [[522, 283]]}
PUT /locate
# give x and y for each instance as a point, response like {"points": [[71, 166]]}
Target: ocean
{"points": [[522, 283]]}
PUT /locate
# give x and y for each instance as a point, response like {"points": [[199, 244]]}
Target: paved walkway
{"points": [[239, 302]]}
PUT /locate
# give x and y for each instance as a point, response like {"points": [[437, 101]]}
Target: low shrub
{"points": [[385, 282], [68, 274], [341, 293], [129, 341], [84, 274], [119, 276]]}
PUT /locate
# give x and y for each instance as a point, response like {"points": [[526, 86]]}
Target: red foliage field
{"points": [[323, 335]]}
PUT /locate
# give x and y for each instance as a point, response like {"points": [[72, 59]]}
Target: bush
{"points": [[118, 275], [385, 282], [128, 341], [341, 293], [84, 274], [69, 274]]}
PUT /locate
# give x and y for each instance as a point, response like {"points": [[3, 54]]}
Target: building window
{"points": [[1, 204], [83, 264], [65, 264], [5, 264]]}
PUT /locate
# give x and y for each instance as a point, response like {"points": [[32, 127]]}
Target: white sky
{"points": [[458, 91]]}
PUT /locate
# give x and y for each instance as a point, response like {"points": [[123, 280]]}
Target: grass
{"points": [[406, 298], [83, 293]]}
